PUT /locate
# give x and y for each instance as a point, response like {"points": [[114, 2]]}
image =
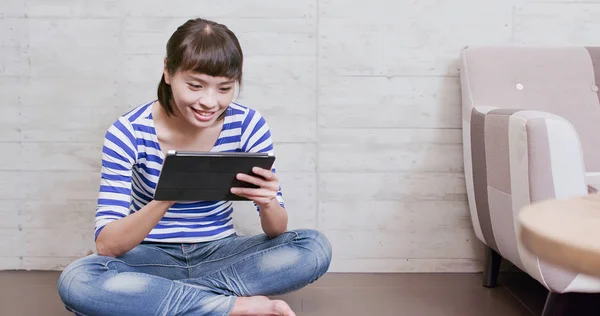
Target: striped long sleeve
{"points": [[119, 153], [256, 137]]}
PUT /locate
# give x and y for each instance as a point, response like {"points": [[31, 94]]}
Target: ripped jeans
{"points": [[193, 279]]}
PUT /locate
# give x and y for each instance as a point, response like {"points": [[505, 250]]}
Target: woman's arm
{"points": [[116, 230], [120, 236], [273, 219], [273, 216]]}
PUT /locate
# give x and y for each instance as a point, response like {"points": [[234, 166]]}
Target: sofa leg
{"points": [[491, 268], [555, 304]]}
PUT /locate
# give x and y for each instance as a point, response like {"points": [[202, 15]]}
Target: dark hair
{"points": [[202, 46]]}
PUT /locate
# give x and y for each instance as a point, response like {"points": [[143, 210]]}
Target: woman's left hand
{"points": [[268, 186]]}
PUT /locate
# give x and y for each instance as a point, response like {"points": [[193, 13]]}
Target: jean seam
{"points": [[187, 260], [118, 261], [141, 265], [237, 253], [157, 248], [161, 306], [242, 284]]}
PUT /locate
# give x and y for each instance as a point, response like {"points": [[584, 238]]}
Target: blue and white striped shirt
{"points": [[132, 161]]}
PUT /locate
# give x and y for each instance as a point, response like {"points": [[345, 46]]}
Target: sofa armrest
{"points": [[516, 160], [519, 157], [530, 155]]}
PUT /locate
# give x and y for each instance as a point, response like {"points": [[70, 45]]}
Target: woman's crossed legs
{"points": [[231, 276]]}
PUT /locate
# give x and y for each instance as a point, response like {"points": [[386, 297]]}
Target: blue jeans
{"points": [[193, 279]]}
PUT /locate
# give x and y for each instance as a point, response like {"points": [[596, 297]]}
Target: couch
{"points": [[531, 132]]}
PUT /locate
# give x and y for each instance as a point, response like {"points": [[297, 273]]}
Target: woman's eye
{"points": [[195, 86], [225, 89]]}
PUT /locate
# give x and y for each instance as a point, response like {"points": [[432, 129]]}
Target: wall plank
{"points": [[571, 23], [399, 229], [73, 8], [295, 157], [10, 211], [49, 185], [10, 263], [393, 216], [237, 8], [417, 157], [447, 243], [77, 63], [79, 124], [384, 265], [10, 129], [12, 9], [50, 156], [37, 214], [14, 32], [397, 102], [83, 92], [57, 33], [388, 136], [46, 263], [57, 242], [14, 61], [360, 186]]}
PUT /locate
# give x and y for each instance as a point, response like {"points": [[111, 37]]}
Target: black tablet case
{"points": [[207, 176]]}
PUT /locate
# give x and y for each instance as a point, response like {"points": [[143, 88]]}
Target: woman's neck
{"points": [[175, 123]]}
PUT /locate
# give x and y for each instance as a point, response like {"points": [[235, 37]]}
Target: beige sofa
{"points": [[531, 131]]}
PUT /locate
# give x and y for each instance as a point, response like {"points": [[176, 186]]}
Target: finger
{"points": [[258, 199], [254, 193], [272, 185], [267, 174], [250, 179]]}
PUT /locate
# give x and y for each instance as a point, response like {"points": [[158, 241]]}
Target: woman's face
{"points": [[200, 99]]}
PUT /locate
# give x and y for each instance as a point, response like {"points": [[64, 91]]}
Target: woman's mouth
{"points": [[203, 116]]}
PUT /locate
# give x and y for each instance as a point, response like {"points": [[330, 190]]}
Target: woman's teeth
{"points": [[203, 113], [204, 116]]}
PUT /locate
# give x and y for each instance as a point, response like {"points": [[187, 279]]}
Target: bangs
{"points": [[212, 55]]}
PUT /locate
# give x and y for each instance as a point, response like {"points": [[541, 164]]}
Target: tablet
{"points": [[207, 176]]}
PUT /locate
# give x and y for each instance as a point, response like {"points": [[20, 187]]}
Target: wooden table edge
{"points": [[555, 251]]}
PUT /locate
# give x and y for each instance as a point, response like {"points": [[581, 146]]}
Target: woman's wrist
{"points": [[272, 205]]}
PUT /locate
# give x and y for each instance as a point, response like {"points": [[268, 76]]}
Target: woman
{"points": [[176, 258]]}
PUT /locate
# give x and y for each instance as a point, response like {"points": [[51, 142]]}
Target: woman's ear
{"points": [[166, 73]]}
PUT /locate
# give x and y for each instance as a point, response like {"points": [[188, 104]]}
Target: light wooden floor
{"points": [[24, 293]]}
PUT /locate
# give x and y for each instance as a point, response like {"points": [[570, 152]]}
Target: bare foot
{"points": [[260, 306]]}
